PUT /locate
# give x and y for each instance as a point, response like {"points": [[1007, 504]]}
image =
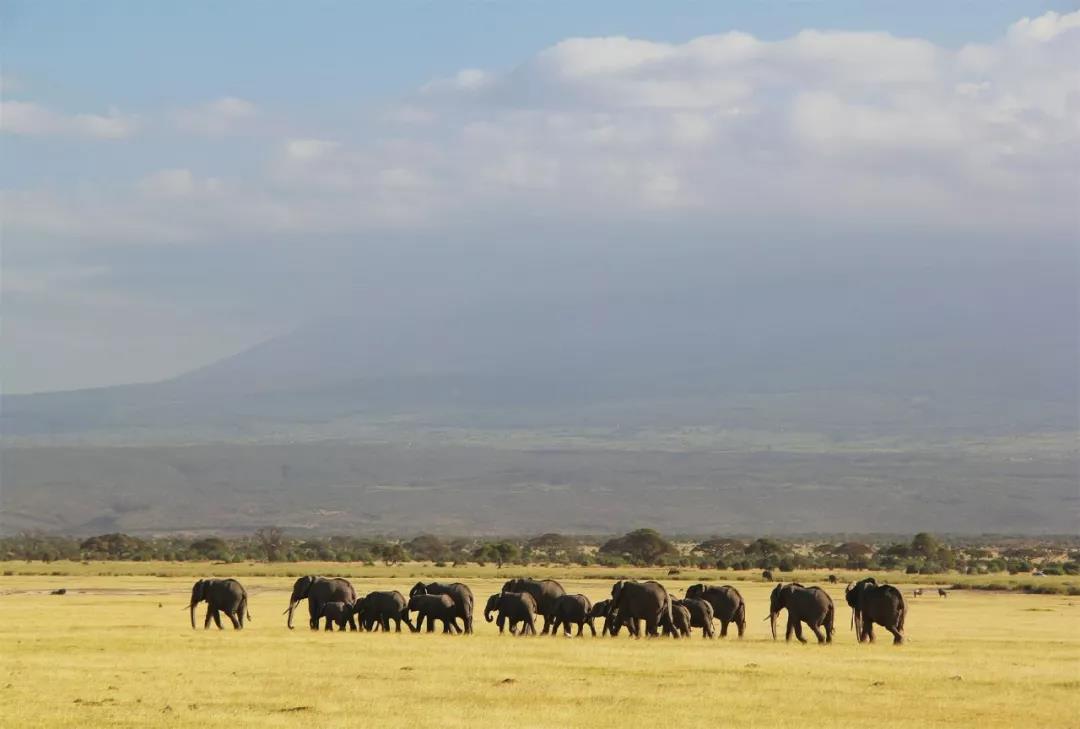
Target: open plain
{"points": [[117, 650]]}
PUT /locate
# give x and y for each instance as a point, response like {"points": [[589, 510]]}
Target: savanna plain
{"points": [[117, 650]]}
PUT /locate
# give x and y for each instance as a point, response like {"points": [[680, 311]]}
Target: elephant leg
{"points": [[870, 631], [580, 628], [217, 619], [897, 636], [798, 631], [651, 625], [592, 627], [352, 623], [723, 628], [385, 622], [235, 623], [313, 613], [817, 633], [206, 622], [791, 626], [530, 626], [547, 625]]}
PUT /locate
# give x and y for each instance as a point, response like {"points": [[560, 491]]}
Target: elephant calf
{"points": [[513, 608], [572, 610], [603, 609], [701, 615], [379, 608], [432, 608], [679, 624], [339, 614]]}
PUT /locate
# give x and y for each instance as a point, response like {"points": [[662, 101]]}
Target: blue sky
{"points": [[171, 168]]}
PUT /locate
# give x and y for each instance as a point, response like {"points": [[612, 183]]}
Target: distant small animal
{"points": [[833, 579], [767, 575], [941, 592], [916, 593], [61, 591]]}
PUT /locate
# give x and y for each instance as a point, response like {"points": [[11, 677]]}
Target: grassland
{"points": [[117, 651]]}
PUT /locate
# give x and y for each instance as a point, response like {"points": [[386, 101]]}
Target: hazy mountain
{"points": [[841, 406]]}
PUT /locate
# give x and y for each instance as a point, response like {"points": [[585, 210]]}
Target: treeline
{"points": [[923, 554]]}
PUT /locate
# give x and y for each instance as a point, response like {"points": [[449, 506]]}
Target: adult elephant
{"points": [[432, 608], [457, 591], [572, 610], [318, 591], [636, 601], [221, 596], [380, 608], [873, 603], [727, 603], [545, 592], [810, 605]]}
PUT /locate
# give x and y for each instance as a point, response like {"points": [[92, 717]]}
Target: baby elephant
{"points": [[432, 608], [701, 615], [338, 613], [573, 610], [513, 608], [679, 625], [379, 609], [603, 610]]}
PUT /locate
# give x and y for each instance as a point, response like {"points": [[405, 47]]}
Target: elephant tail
{"points": [[830, 616], [247, 610], [665, 612], [901, 613], [739, 617]]}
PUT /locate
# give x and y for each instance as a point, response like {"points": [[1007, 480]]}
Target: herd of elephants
{"points": [[517, 606]]}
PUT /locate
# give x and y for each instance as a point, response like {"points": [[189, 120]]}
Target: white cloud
{"points": [[177, 183], [309, 150], [27, 118], [216, 118], [1044, 28]]}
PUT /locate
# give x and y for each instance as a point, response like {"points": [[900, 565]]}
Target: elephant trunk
{"points": [[487, 615]]}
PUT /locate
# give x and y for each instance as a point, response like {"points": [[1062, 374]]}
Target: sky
{"points": [[180, 181]]}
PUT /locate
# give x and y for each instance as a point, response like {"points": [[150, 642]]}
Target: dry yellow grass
{"points": [[106, 654]]}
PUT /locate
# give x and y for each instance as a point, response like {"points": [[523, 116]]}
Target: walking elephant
{"points": [[379, 608], [545, 592], [572, 610], [873, 603], [512, 608], [221, 596], [701, 614], [810, 605], [637, 601], [727, 604], [339, 614], [679, 624], [457, 591], [318, 591], [603, 609], [432, 608]]}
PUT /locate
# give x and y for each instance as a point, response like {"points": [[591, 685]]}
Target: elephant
{"points": [[458, 592], [767, 575], [810, 605], [636, 601], [873, 603], [221, 596], [432, 608], [513, 608], [337, 613], [727, 603], [679, 625], [319, 591], [603, 609], [379, 608], [545, 592], [701, 614], [572, 610]]}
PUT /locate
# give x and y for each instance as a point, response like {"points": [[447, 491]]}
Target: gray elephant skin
{"points": [[701, 614], [637, 601], [679, 625], [513, 608], [727, 603], [873, 603], [457, 591], [810, 605], [432, 608], [318, 591], [603, 609], [378, 609], [572, 610], [339, 614], [545, 592], [222, 596]]}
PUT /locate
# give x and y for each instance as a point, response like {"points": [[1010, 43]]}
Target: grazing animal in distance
{"points": [[916, 593], [767, 575], [941, 592], [833, 579]]}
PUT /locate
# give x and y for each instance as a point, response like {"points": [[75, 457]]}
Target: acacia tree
{"points": [[641, 545], [272, 542]]}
